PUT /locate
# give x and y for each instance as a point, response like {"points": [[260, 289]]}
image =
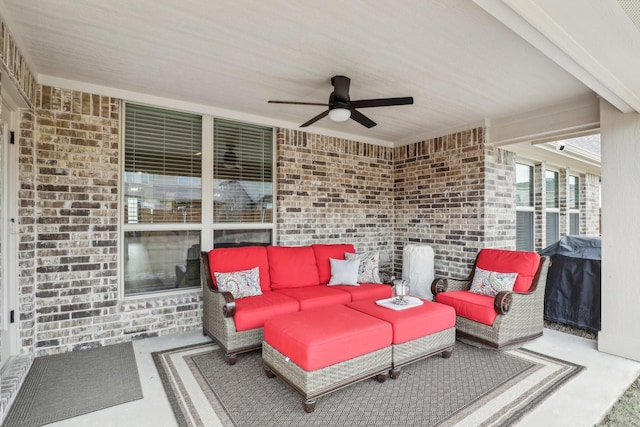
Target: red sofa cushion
{"points": [[292, 266], [325, 251], [252, 312], [411, 324], [311, 297], [366, 291], [470, 306], [504, 261], [227, 260], [314, 339]]}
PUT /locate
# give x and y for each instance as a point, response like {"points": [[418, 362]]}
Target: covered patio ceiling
{"points": [[465, 63]]}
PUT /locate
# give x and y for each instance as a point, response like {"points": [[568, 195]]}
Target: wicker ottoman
{"points": [[325, 349], [418, 332]]}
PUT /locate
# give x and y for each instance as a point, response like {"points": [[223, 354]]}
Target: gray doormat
{"points": [[66, 385], [477, 386]]}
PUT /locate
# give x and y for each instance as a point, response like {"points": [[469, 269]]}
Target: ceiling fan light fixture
{"points": [[339, 114]]}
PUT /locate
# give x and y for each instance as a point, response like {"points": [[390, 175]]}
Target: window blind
{"points": [[162, 142], [553, 227], [242, 152], [524, 231]]}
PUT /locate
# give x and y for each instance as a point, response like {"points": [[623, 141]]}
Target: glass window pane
{"points": [[553, 227], [524, 231], [524, 185], [551, 179], [163, 166], [574, 224], [161, 260], [243, 173], [574, 192], [233, 238]]}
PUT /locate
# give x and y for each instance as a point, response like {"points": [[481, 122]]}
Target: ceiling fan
{"points": [[342, 108]]}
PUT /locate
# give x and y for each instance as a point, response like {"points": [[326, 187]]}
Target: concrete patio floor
{"points": [[583, 401]]}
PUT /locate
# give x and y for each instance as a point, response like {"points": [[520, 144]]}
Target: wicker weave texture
{"points": [[315, 383], [430, 344]]}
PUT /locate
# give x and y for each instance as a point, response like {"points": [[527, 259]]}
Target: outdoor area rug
{"points": [[474, 387], [66, 385]]}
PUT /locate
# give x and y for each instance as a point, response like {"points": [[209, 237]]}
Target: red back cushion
{"points": [[324, 252], [227, 260], [504, 261], [292, 267]]}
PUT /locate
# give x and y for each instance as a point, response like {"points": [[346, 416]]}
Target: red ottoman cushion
{"points": [[470, 306], [314, 339], [411, 323]]}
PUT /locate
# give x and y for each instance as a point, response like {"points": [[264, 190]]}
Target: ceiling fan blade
{"points": [[362, 119], [315, 119], [382, 102], [341, 87], [299, 103]]}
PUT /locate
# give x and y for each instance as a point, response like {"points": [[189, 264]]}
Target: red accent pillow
{"points": [[292, 267], [325, 251], [227, 260], [504, 261]]}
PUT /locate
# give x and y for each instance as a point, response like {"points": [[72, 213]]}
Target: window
{"points": [[524, 207], [552, 201], [574, 205], [242, 183], [164, 195]]}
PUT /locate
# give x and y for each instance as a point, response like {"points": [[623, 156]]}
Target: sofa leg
{"points": [[394, 373], [447, 353], [231, 359], [309, 406]]}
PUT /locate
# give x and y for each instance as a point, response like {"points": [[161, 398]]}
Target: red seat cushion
{"points": [[470, 306], [316, 296], [413, 323], [325, 251], [227, 260], [292, 266], [251, 312], [366, 291], [503, 261], [314, 339]]}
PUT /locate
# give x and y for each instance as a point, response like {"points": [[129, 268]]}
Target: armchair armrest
{"points": [[502, 302], [448, 284], [224, 299]]}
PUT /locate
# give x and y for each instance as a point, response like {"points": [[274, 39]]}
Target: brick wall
{"points": [[590, 205], [334, 190], [454, 194], [71, 207]]}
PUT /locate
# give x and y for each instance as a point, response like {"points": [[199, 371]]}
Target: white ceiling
{"points": [[462, 65]]}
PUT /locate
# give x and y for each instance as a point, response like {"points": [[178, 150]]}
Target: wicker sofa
{"points": [[291, 279]]}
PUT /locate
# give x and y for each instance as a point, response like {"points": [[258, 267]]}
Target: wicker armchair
{"points": [[518, 315]]}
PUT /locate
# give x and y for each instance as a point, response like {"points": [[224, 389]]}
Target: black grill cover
{"points": [[572, 294]]}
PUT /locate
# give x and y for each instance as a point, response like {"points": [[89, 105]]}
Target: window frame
{"points": [[555, 210], [206, 228], [530, 209], [574, 210]]}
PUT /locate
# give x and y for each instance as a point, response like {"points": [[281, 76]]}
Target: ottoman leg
{"points": [[269, 373], [309, 405], [447, 353], [381, 377]]}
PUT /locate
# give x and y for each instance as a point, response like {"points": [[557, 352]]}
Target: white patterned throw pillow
{"points": [[368, 271], [491, 282], [241, 284]]}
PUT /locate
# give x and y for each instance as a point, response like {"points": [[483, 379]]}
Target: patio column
{"points": [[620, 232]]}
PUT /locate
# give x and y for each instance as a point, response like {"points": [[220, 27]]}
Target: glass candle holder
{"points": [[400, 290]]}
